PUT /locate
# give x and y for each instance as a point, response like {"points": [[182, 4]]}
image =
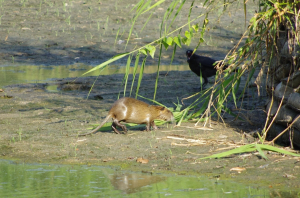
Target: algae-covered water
{"points": [[42, 180]]}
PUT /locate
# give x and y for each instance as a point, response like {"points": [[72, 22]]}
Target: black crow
{"points": [[206, 65]]}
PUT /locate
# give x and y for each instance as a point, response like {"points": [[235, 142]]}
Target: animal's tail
{"points": [[98, 127]]}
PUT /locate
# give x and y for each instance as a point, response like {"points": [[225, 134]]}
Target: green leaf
{"points": [[187, 34], [206, 21], [164, 42], [113, 59], [151, 50], [144, 51], [177, 40], [196, 27], [186, 41], [169, 41], [178, 107]]}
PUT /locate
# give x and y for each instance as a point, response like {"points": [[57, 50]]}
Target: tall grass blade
{"points": [[170, 9], [137, 58], [152, 101], [176, 14], [146, 22], [126, 75], [234, 95], [258, 148], [157, 74], [116, 36], [278, 150], [250, 148], [189, 16], [138, 5], [154, 5], [243, 149], [247, 82], [245, 12], [117, 57], [173, 55], [182, 116], [140, 77], [138, 13]]}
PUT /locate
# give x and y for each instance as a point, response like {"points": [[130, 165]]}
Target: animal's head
{"points": [[189, 53], [165, 114]]}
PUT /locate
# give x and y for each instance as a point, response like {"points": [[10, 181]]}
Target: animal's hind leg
{"points": [[113, 126], [117, 123]]}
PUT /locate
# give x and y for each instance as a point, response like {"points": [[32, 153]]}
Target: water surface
{"points": [[42, 180], [41, 74]]}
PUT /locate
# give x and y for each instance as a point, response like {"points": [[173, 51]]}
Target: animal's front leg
{"points": [[154, 127]]}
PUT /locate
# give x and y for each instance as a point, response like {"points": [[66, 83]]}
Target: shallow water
{"points": [[40, 74], [41, 180]]}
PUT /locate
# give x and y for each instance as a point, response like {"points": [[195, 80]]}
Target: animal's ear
{"points": [[162, 108]]}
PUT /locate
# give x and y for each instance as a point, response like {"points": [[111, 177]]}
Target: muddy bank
{"points": [[41, 126]]}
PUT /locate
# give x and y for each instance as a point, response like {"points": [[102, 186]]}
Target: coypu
{"points": [[131, 110], [203, 63]]}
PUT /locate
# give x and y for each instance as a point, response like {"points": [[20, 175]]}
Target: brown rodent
{"points": [[131, 110]]}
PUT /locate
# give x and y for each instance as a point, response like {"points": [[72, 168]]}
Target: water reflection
{"points": [[131, 183], [34, 180]]}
